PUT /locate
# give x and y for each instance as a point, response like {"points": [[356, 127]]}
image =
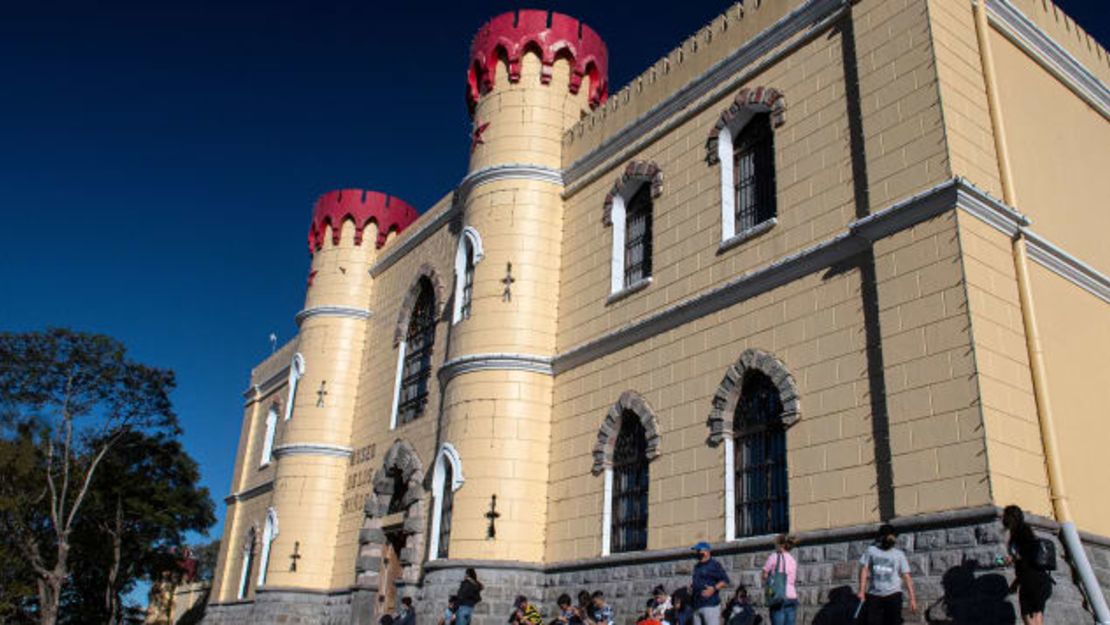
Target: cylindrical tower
{"points": [[348, 227], [532, 75]]}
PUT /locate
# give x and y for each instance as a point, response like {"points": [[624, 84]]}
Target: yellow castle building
{"points": [[826, 264]]}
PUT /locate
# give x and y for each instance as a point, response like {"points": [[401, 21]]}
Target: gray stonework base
{"points": [[951, 555]]}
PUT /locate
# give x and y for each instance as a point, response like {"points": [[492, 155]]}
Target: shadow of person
{"points": [[972, 599], [840, 609]]}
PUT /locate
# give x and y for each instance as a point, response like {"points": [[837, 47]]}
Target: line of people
{"points": [[884, 577]]}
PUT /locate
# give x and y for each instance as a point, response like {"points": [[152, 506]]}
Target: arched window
{"points": [[296, 372], [637, 240], [446, 479], [415, 364], [468, 255], [269, 533], [753, 157], [742, 141], [630, 478], [268, 442], [762, 497], [629, 208], [248, 564]]}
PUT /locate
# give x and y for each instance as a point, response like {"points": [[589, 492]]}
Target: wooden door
{"points": [[390, 572]]}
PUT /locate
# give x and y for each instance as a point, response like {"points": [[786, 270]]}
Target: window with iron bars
{"points": [[630, 487], [417, 368], [447, 505], [754, 158], [637, 240], [468, 282], [762, 497]]}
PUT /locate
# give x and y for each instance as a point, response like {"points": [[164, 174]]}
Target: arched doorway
{"points": [[392, 538]]}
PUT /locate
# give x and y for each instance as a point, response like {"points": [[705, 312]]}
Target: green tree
{"points": [[142, 502], [71, 397], [207, 555]]}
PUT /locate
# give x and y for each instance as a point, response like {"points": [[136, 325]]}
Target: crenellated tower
{"points": [[348, 228], [532, 75]]}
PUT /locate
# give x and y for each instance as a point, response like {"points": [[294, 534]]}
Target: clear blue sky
{"points": [[159, 161]]}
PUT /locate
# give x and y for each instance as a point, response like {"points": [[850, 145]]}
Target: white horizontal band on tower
{"points": [[312, 449], [349, 312], [495, 362]]}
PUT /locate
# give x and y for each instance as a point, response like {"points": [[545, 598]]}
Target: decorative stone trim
{"points": [[494, 362], [312, 449], [1068, 267], [1023, 33], [400, 456], [630, 401], [438, 288], [509, 171], [635, 174], [728, 393], [748, 100], [349, 312], [248, 493]]}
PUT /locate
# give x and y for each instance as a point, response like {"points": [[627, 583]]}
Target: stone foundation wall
{"points": [[951, 556]]}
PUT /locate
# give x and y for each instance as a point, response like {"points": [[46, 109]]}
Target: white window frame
{"points": [[607, 512], [447, 453], [402, 347], [618, 218], [271, 433], [472, 240], [244, 574], [725, 158], [269, 533], [730, 487], [296, 372]]}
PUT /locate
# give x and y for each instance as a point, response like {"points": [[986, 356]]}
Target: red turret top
{"points": [[390, 214], [550, 36]]}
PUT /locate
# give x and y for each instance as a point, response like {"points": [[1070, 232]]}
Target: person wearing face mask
{"points": [[709, 579], [883, 571]]}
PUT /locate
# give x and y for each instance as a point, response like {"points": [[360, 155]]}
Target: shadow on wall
{"points": [[970, 599]]}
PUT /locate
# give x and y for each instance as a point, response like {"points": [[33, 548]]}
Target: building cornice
{"points": [[312, 449], [256, 391], [1023, 33], [808, 20], [1067, 266], [249, 493], [956, 193], [495, 362], [349, 312]]}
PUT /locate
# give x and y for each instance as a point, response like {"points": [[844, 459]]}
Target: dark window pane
{"points": [[400, 490], [630, 487], [416, 372], [468, 282], [637, 239], [762, 498], [754, 174]]}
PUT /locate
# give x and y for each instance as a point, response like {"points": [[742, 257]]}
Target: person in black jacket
{"points": [[469, 595], [1033, 584]]}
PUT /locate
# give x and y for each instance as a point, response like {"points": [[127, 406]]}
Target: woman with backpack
{"points": [[1032, 580], [779, 574]]}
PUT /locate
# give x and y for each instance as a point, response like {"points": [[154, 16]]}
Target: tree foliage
{"points": [[89, 470]]}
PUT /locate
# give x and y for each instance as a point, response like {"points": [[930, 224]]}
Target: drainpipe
{"points": [[1060, 506]]}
